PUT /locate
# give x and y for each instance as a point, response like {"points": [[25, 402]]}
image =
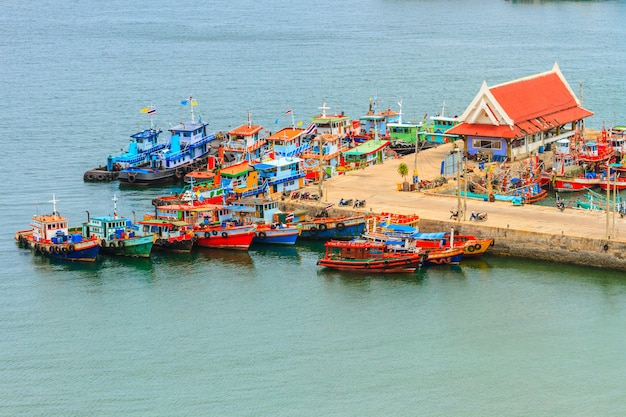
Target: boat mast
{"points": [[54, 202], [114, 206]]}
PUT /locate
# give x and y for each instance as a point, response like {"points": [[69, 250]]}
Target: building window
{"points": [[486, 144]]}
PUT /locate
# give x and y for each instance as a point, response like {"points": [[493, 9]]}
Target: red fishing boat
{"points": [[367, 256]]}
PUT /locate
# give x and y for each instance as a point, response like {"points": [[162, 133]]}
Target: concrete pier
{"points": [[573, 236]]}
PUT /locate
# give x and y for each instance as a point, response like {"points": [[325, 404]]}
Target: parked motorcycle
{"points": [[454, 214], [359, 203], [479, 217], [343, 202], [560, 205]]}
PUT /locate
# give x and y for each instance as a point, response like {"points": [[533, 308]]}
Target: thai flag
{"points": [[311, 129], [289, 217], [151, 111], [288, 112], [328, 206]]}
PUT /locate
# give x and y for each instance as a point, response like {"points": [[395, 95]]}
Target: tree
{"points": [[403, 170]]}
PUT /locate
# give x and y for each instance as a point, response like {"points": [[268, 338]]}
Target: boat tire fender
{"points": [[605, 247], [207, 235], [132, 177], [214, 232], [313, 230], [322, 227], [112, 244], [478, 246], [120, 244], [64, 249], [262, 235], [224, 234], [72, 248], [341, 226], [471, 248]]}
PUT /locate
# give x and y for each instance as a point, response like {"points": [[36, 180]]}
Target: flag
{"points": [[289, 217], [328, 206], [145, 110], [288, 112], [300, 123], [276, 121], [189, 101], [311, 129], [152, 111]]}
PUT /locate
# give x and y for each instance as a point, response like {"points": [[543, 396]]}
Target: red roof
{"points": [[534, 104]]}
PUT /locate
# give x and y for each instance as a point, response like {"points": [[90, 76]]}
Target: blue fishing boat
{"points": [[118, 235], [50, 235], [142, 146], [189, 147]]}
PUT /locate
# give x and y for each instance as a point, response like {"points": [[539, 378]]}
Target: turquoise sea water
{"points": [[219, 333]]}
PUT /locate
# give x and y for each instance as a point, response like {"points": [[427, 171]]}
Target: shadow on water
{"points": [[275, 251], [224, 257]]}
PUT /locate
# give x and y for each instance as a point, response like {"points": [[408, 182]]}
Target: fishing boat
{"points": [[118, 235], [226, 235], [171, 235], [189, 147], [142, 146], [50, 235], [371, 257], [264, 213], [435, 129], [445, 256], [326, 228], [212, 224]]}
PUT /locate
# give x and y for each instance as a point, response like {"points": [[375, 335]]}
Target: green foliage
{"points": [[403, 170]]}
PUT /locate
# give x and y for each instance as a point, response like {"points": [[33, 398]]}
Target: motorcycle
{"points": [[454, 214], [295, 195], [343, 202], [305, 195], [478, 217], [359, 203], [560, 205]]}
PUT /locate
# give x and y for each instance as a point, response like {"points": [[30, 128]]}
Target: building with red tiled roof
{"points": [[521, 117]]}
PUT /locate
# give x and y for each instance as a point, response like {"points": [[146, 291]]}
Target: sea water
{"points": [[266, 332]]}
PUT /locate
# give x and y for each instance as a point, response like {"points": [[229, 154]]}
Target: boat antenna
{"points": [[191, 105], [443, 108], [114, 206], [400, 112], [54, 202]]}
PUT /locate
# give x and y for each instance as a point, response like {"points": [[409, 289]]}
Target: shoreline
{"points": [[579, 237]]}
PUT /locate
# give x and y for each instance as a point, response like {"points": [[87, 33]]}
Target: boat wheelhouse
{"points": [[190, 145]]}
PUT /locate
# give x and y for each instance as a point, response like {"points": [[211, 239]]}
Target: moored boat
{"points": [[50, 235], [225, 236], [190, 145], [326, 228], [371, 257], [118, 235], [171, 235], [142, 146]]}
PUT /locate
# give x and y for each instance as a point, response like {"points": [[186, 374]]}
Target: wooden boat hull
{"points": [[402, 264], [574, 184], [332, 228], [278, 236], [451, 256], [84, 251], [135, 247], [181, 244], [225, 238]]}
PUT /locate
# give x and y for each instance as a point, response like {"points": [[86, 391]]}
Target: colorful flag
{"points": [[328, 206], [289, 217], [152, 111], [300, 123], [288, 112], [311, 129], [190, 101]]}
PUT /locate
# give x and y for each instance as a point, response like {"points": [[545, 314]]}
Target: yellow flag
{"points": [[300, 123], [144, 110], [194, 103]]}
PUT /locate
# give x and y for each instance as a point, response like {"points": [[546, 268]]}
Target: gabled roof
{"points": [[520, 107]]}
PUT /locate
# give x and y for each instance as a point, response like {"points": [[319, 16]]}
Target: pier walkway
{"points": [[530, 231]]}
